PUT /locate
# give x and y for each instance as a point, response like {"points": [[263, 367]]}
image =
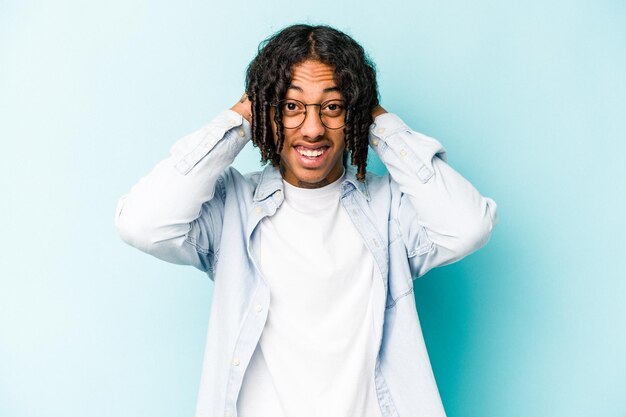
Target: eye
{"points": [[291, 107], [333, 108]]}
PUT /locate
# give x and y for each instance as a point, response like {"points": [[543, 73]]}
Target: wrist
{"points": [[244, 108], [378, 110]]}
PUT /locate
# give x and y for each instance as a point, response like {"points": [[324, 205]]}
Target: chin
{"points": [[311, 179]]}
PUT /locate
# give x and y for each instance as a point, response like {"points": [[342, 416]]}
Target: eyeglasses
{"points": [[332, 113]]}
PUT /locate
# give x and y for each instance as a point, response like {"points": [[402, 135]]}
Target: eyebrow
{"points": [[326, 90]]}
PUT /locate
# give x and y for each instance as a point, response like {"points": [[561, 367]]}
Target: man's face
{"points": [[312, 154]]}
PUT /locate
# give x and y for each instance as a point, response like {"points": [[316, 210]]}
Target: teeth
{"points": [[310, 152]]}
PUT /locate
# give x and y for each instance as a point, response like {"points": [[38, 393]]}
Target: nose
{"points": [[312, 126]]}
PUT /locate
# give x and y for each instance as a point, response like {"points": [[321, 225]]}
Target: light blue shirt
{"points": [[193, 208]]}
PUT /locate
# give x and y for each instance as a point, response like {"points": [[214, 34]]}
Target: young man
{"points": [[313, 258]]}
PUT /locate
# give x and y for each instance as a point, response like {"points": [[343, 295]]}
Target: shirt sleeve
{"points": [[175, 212], [441, 215]]}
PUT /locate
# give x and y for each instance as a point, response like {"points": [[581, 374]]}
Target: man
{"points": [[313, 258]]}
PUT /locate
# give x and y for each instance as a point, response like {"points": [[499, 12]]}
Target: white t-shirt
{"points": [[317, 354]]}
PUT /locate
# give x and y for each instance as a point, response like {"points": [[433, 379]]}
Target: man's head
{"points": [[315, 65]]}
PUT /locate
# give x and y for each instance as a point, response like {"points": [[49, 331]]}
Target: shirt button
{"points": [[232, 122], [228, 414], [257, 210], [380, 130], [375, 142], [278, 193], [241, 132], [259, 308], [236, 362], [403, 153]]}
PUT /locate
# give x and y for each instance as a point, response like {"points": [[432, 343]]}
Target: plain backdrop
{"points": [[529, 98]]}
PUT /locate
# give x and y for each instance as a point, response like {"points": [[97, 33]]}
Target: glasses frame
{"points": [[320, 105]]}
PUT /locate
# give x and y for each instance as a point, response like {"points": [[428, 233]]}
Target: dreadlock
{"points": [[269, 75]]}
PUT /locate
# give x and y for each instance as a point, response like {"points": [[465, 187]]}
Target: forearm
{"points": [[160, 208], [456, 217]]}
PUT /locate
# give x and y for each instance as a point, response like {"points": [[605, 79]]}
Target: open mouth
{"points": [[311, 153]]}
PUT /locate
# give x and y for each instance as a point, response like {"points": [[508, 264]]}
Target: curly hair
{"points": [[269, 74]]}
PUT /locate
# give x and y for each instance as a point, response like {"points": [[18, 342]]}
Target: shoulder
{"points": [[233, 183], [375, 180], [252, 178], [375, 186]]}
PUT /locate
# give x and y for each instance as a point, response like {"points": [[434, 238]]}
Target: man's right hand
{"points": [[244, 107]]}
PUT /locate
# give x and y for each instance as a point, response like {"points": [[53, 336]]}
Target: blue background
{"points": [[529, 100]]}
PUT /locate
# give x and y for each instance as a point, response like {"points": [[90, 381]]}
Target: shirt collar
{"points": [[350, 183], [271, 181]]}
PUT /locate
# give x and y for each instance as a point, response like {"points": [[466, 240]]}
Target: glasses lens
{"points": [[333, 114], [293, 113]]}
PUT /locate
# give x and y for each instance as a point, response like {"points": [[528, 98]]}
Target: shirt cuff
{"points": [[228, 125], [398, 146]]}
